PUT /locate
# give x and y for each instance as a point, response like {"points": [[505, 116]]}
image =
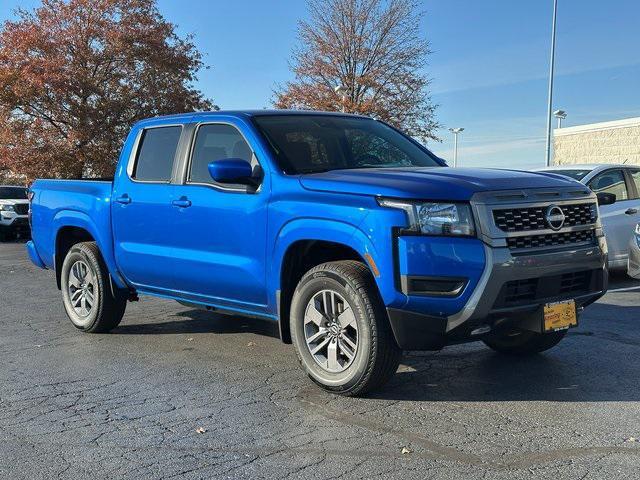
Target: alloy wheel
{"points": [[331, 331], [82, 288]]}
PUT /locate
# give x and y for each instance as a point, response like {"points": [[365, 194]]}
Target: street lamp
{"points": [[550, 95], [455, 132], [342, 90], [560, 115]]}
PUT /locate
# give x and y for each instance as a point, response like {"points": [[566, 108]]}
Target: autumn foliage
{"points": [[375, 50], [74, 76]]}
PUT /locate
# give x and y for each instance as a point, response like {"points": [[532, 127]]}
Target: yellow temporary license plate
{"points": [[560, 315]]}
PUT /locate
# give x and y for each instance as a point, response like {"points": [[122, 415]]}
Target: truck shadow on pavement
{"points": [[202, 321], [598, 361]]}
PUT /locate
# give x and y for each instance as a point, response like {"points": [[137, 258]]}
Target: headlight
{"points": [[638, 234], [433, 218], [7, 208]]}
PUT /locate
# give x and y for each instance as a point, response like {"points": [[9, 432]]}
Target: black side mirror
{"points": [[606, 198]]}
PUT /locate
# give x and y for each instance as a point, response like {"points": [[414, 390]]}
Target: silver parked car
{"points": [[14, 210], [633, 268], [618, 217]]}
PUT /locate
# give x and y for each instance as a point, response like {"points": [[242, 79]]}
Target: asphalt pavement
{"points": [[177, 392]]}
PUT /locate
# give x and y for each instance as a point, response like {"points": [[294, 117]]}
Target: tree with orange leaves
{"points": [[363, 56], [74, 76]]}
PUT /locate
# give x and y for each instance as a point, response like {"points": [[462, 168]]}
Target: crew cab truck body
{"points": [[353, 237]]}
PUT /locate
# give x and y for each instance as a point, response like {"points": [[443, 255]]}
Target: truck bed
{"points": [[68, 203]]}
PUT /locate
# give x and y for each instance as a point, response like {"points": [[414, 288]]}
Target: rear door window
{"points": [[157, 151], [611, 181]]}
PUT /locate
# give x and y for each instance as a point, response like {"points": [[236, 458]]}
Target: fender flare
{"points": [[77, 219], [321, 229]]}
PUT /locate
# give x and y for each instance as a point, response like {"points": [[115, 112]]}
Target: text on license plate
{"points": [[560, 315]]}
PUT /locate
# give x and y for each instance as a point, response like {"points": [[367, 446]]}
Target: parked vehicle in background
{"points": [[353, 237], [14, 212], [620, 217], [633, 268]]}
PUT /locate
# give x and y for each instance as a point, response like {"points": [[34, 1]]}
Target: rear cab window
{"points": [[156, 154]]}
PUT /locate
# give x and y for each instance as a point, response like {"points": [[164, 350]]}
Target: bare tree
{"points": [[374, 51]]}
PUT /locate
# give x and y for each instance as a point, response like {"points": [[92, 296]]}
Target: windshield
{"points": [[13, 193], [319, 143], [575, 174]]}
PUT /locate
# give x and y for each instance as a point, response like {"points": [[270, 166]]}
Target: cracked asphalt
{"points": [[129, 404]]}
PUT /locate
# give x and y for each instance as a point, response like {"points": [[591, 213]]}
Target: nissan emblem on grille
{"points": [[554, 217]]}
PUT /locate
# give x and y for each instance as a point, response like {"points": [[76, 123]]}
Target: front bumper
{"points": [[496, 301]]}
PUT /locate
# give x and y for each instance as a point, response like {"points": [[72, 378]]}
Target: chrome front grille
{"points": [[533, 218]]}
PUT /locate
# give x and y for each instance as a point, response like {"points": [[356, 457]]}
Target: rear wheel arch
{"points": [[66, 238]]}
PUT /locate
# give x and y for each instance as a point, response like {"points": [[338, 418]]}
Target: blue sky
{"points": [[489, 64]]}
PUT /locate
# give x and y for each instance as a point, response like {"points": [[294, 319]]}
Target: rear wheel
{"points": [[523, 342], [86, 291], [340, 329]]}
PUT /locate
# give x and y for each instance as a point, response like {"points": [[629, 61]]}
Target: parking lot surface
{"points": [[176, 392]]}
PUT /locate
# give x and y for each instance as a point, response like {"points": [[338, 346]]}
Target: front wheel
{"points": [[340, 330], [523, 342], [89, 301]]}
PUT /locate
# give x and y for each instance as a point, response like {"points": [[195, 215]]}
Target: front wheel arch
{"points": [[300, 257]]}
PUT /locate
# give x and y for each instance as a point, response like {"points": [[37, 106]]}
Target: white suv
{"points": [[620, 217], [14, 211]]}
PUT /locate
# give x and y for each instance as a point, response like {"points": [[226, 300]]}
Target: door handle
{"points": [[124, 199], [631, 211], [183, 202]]}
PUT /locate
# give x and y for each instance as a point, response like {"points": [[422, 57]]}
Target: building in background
{"points": [[604, 142]]}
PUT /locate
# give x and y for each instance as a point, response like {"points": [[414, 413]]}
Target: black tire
{"points": [[524, 342], [377, 355], [108, 307]]}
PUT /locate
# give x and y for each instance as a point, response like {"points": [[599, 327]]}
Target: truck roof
{"points": [[248, 113]]}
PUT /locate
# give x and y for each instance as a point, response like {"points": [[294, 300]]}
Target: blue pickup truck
{"points": [[354, 238]]}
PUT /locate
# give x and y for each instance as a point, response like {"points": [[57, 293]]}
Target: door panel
{"points": [[221, 256], [141, 209]]}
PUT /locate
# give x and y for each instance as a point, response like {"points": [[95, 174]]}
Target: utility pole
{"points": [[455, 132], [550, 96]]}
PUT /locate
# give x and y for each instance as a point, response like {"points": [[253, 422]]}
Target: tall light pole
{"points": [[560, 115], [342, 91], [550, 96], [455, 132]]}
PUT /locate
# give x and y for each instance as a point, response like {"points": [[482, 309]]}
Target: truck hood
{"points": [[430, 183]]}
